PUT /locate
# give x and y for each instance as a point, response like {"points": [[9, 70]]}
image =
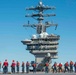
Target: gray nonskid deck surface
{"points": [[41, 73]]}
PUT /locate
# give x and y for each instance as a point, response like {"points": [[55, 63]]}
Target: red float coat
{"points": [[60, 65], [5, 63], [66, 64], [46, 64], [13, 64]]}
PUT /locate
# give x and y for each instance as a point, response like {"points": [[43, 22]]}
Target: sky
{"points": [[12, 32]]}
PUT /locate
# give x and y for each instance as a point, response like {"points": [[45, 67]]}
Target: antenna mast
{"points": [[40, 8]]}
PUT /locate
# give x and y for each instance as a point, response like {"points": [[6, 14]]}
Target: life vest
{"points": [[75, 64], [18, 64], [46, 64], [13, 64], [34, 65], [5, 63], [27, 64], [71, 63], [23, 64], [66, 64], [60, 65], [55, 65]]}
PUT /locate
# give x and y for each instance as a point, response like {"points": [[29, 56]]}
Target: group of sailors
{"points": [[67, 67], [15, 67]]}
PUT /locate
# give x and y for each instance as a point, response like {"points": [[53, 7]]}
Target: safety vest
{"points": [[55, 65], [18, 64], [23, 64], [46, 64], [34, 65], [75, 64], [71, 63], [60, 65], [66, 64], [5, 63], [13, 64], [27, 64]]}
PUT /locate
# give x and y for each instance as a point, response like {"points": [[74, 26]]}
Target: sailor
{"points": [[75, 67], [17, 66], [55, 67], [71, 66], [5, 66], [60, 67], [0, 66], [66, 65], [34, 67], [13, 66], [46, 67], [23, 67], [27, 67]]}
